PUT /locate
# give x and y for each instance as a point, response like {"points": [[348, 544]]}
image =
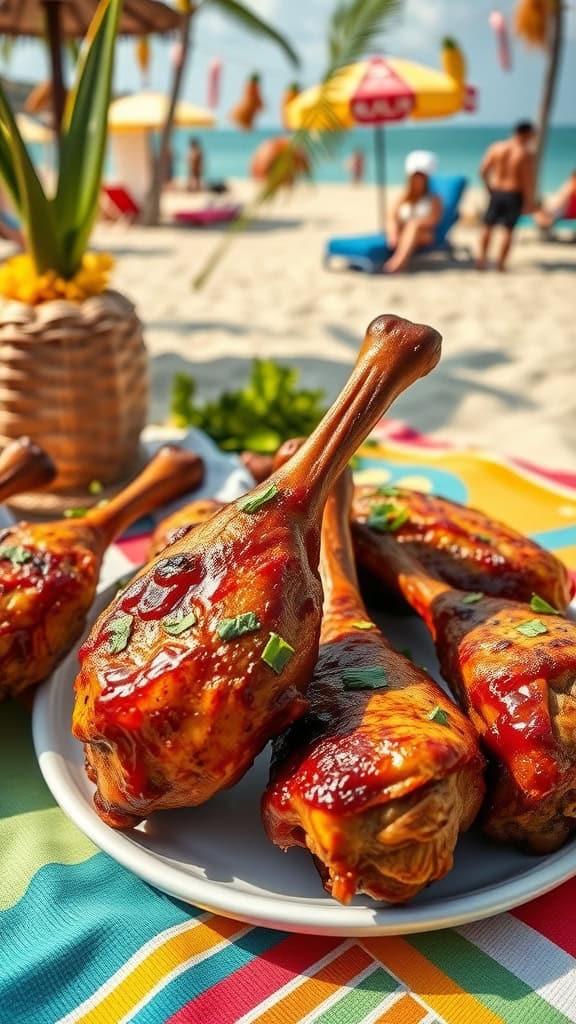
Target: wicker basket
{"points": [[74, 378]]}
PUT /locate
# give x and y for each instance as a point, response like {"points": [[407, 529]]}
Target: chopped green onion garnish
{"points": [[484, 537], [277, 653], [175, 626], [439, 715], [387, 518], [75, 513], [362, 624], [473, 598], [252, 502], [388, 491], [532, 627], [373, 677], [95, 487], [15, 554], [229, 629], [538, 604], [120, 630]]}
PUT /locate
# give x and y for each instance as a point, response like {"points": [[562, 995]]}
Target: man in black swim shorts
{"points": [[508, 172]]}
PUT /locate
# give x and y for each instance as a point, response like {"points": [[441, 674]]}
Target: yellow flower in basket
{"points": [[57, 228]]}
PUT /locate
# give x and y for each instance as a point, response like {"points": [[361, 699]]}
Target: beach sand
{"points": [[507, 377]]}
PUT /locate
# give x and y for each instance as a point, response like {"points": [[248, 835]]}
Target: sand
{"points": [[507, 377]]}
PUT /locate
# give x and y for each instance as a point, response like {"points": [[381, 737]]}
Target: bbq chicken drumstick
{"points": [[513, 672], [383, 772], [49, 572], [219, 633], [24, 466], [460, 545]]}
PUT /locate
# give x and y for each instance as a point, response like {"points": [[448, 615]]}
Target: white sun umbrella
{"points": [[131, 120]]}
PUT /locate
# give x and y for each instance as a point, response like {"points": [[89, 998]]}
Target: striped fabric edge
{"points": [[135, 982]]}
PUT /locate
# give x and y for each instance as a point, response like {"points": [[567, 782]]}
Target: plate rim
{"points": [[277, 912]]}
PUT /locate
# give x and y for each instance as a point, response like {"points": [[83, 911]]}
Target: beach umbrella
{"points": [[58, 20], [376, 92], [146, 111]]}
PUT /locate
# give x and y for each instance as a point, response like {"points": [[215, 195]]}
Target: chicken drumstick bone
{"points": [[383, 772], [219, 633]]}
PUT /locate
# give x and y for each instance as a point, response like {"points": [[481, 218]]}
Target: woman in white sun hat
{"points": [[416, 214]]}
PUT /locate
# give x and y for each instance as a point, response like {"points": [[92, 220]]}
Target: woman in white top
{"points": [[415, 215]]}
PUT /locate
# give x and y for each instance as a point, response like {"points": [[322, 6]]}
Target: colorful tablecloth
{"points": [[83, 940]]}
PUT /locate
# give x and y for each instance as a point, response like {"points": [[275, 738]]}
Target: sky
{"points": [[416, 33]]}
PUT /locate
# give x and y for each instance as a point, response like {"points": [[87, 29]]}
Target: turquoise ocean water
{"points": [[459, 149]]}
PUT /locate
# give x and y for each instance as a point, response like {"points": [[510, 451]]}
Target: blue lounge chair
{"points": [[369, 252]]}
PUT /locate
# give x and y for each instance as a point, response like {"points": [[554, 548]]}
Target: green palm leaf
{"points": [[8, 169], [356, 27], [42, 235], [84, 139], [247, 19]]}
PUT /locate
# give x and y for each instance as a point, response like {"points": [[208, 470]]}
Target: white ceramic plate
{"points": [[217, 856]]}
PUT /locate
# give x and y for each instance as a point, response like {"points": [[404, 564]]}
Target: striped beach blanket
{"points": [[83, 940]]}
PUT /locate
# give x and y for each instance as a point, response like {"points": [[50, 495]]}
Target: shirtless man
{"points": [[508, 173]]}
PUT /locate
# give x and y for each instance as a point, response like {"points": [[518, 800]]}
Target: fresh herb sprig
{"points": [[270, 409]]}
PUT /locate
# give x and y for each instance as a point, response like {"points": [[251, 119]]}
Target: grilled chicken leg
{"points": [[383, 772], [24, 466], [49, 572], [219, 633], [459, 545], [514, 673]]}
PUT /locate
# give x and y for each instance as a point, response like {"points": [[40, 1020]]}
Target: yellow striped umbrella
{"points": [[379, 91]]}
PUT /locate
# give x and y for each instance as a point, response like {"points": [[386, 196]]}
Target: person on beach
{"points": [[416, 214], [508, 171], [355, 166], [195, 166], [562, 206]]}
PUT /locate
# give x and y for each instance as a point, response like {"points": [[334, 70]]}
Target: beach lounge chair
{"points": [[208, 217], [118, 204], [369, 252]]}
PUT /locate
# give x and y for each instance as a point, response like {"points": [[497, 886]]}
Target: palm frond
{"points": [[248, 19], [354, 28]]}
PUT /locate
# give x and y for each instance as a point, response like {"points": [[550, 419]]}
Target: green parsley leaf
{"points": [[362, 624], [15, 554], [371, 442], [387, 518], [252, 502], [229, 629], [120, 630], [235, 419], [95, 487], [473, 598], [538, 604], [373, 677], [484, 537], [177, 626], [388, 491], [438, 715], [75, 513], [277, 653], [532, 627]]}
